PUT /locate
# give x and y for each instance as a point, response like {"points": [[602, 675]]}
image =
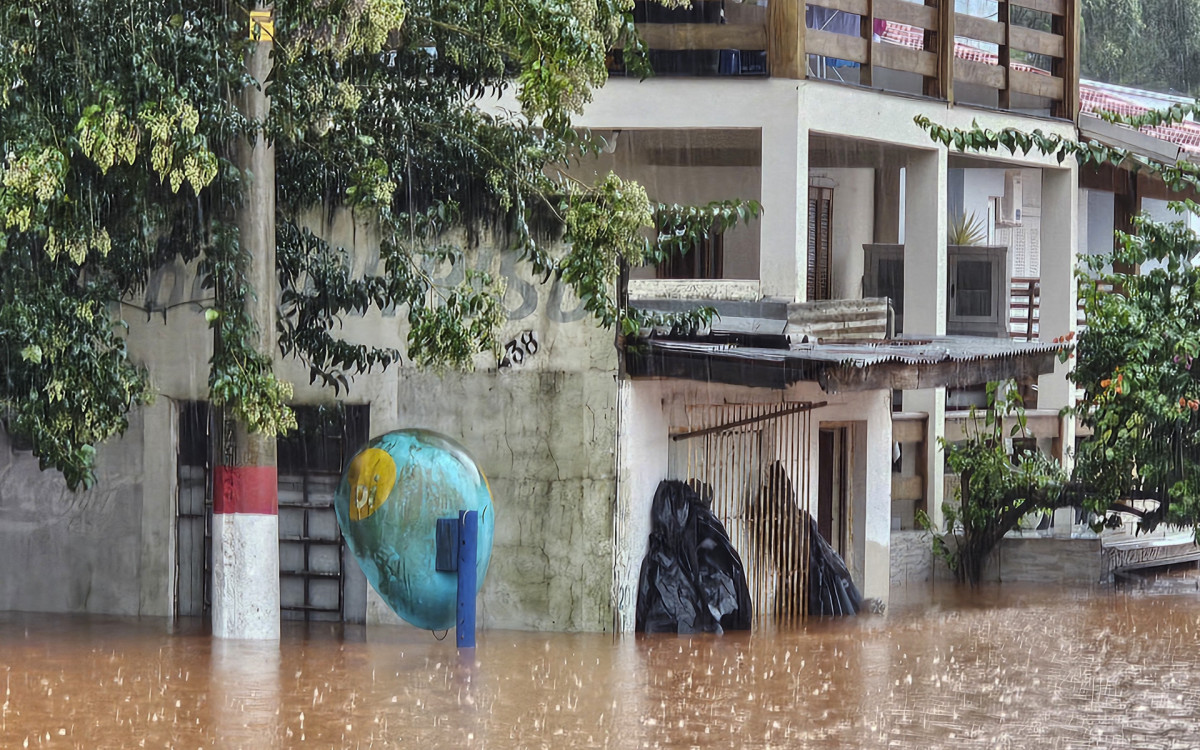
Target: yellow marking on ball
{"points": [[371, 476]]}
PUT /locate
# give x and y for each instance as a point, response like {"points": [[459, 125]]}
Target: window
{"points": [[703, 261], [820, 242]]}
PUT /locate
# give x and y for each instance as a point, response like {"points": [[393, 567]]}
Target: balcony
{"points": [[1020, 55]]}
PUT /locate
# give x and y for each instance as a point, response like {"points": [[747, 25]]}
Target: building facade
{"points": [[812, 114]]}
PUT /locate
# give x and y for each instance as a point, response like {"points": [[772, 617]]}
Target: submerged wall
{"points": [[544, 433], [543, 430], [64, 551], [1025, 559]]}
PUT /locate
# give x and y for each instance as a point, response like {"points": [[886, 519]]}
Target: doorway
{"points": [[833, 488]]}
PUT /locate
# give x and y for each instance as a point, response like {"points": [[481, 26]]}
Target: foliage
{"points": [[1135, 368], [1135, 356], [1178, 176], [66, 362], [1142, 43], [998, 486], [118, 134], [965, 229]]}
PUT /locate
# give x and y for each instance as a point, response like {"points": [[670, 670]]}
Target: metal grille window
{"points": [[193, 519], [315, 566]]}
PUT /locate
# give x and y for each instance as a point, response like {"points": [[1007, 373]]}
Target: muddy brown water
{"points": [[1002, 667]]}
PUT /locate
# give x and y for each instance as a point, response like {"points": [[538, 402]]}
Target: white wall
{"points": [[642, 448], [853, 225], [1158, 211], [978, 187], [1100, 210]]}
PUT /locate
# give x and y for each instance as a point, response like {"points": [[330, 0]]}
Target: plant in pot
{"points": [[965, 229]]}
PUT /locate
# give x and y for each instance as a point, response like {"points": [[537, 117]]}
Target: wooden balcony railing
{"points": [[1025, 299], [1024, 302], [1010, 54]]}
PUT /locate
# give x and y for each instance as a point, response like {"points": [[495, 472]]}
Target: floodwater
{"points": [[1001, 667]]}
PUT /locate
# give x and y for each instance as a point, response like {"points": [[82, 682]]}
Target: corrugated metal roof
{"points": [[866, 354]]}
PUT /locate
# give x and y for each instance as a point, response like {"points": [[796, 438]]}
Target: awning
{"points": [[907, 363]]}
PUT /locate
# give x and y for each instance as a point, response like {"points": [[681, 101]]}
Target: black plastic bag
{"points": [[831, 590], [692, 580]]}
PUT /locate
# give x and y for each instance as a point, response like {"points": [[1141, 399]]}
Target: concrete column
{"points": [[1060, 243], [932, 402], [783, 255], [642, 457], [1058, 313], [925, 265], [877, 524], [245, 533], [925, 293]]}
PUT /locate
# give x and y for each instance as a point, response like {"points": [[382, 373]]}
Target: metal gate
{"points": [[193, 515], [318, 577], [752, 461], [316, 568]]}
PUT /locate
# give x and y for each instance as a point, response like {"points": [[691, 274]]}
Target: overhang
{"points": [[1134, 141], [907, 363]]}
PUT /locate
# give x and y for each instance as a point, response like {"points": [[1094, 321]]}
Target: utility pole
{"points": [[245, 530]]}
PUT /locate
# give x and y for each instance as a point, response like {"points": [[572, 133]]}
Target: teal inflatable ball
{"points": [[391, 495]]}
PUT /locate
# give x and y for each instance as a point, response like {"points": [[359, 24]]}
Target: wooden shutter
{"points": [[820, 242]]}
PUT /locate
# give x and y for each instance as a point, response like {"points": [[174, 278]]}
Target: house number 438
{"points": [[519, 349]]}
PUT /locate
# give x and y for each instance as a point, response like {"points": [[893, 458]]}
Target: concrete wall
{"points": [[63, 551], [1017, 559], [544, 437], [543, 432]]}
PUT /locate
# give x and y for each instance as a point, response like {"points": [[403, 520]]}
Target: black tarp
{"points": [[831, 590], [692, 580]]}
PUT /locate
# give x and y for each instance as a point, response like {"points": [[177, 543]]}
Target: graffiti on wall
{"points": [[175, 285]]}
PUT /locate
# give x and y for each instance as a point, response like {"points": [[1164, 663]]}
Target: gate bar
{"points": [[750, 420]]}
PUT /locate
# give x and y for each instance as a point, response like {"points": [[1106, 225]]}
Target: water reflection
{"points": [[1003, 667], [245, 684]]}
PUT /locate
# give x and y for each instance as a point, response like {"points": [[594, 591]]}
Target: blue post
{"points": [[468, 538]]}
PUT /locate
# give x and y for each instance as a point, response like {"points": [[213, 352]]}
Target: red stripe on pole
{"points": [[246, 489]]}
